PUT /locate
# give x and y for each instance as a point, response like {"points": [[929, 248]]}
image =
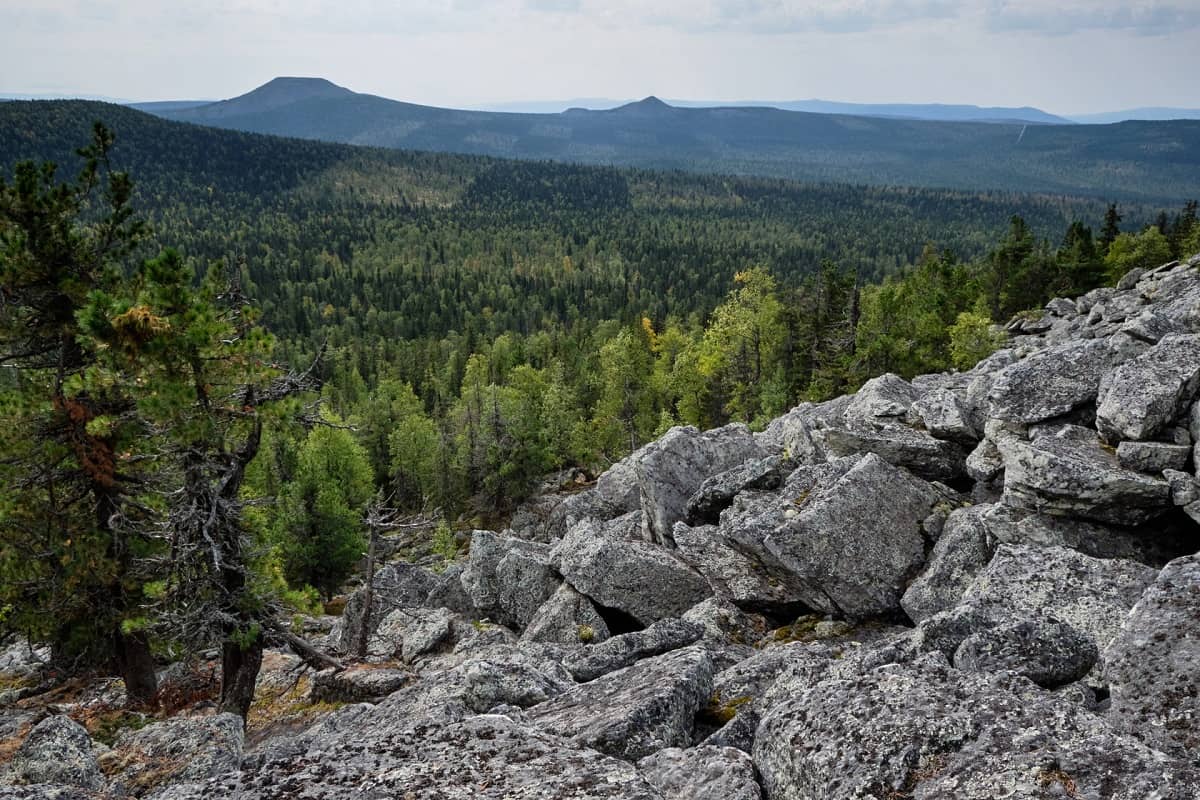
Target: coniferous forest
{"points": [[226, 345]]}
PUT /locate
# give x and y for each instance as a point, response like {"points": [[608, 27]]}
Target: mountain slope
{"points": [[1147, 113], [1151, 160]]}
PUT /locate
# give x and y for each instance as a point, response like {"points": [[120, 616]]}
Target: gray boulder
{"points": [[848, 546], [1051, 383], [566, 618], [1072, 473], [927, 730], [448, 592], [57, 751], [1144, 396], [397, 585], [964, 548], [731, 574], [888, 395], [410, 632], [1093, 595], [356, 684], [942, 413], [508, 578], [898, 444], [725, 623], [621, 651], [672, 469], [1151, 664], [636, 711], [1153, 457], [1046, 651], [642, 579], [701, 773], [509, 682], [717, 493]]}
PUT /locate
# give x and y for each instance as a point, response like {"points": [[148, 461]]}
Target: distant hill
{"points": [[932, 111], [1149, 113], [1150, 160]]}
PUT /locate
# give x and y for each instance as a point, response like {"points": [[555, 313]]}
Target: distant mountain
{"points": [[1153, 160], [1150, 113], [930, 111], [154, 107]]}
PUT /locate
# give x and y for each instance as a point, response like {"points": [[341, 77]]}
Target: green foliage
{"points": [[1144, 250], [442, 543], [318, 528], [972, 340]]}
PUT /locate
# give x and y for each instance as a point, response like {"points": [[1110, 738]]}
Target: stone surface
{"points": [[636, 711], [963, 549], [888, 395], [1050, 383], [566, 618], [622, 651], [396, 586], [1144, 396], [925, 730], [178, 750], [1046, 651], [898, 444], [672, 469], [717, 493], [356, 684], [1093, 595], [478, 758], [410, 632], [701, 773], [526, 580], [942, 413], [850, 544], [731, 574], [1072, 473], [509, 682], [57, 751], [1153, 457], [642, 579], [1151, 664]]}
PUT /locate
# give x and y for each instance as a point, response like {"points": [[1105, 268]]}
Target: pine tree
{"points": [[1110, 230]]}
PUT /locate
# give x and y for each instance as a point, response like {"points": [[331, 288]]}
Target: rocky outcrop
{"points": [[1142, 397], [179, 750], [624, 650], [396, 586], [701, 773], [566, 618]]}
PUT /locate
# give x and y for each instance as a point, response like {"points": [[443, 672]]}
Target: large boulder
{"points": [[635, 711], [641, 579], [1093, 595], [731, 573], [396, 585], [927, 730], [1143, 396], [701, 773], [1151, 664], [964, 548], [1051, 382], [566, 618], [717, 493], [850, 544], [942, 413], [407, 633], [898, 444], [622, 651], [888, 395], [1071, 472], [508, 578], [57, 751], [672, 469]]}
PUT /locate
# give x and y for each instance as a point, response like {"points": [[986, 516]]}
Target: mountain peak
{"points": [[647, 105]]}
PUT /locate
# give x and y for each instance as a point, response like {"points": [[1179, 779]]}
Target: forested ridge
{"points": [[477, 325]]}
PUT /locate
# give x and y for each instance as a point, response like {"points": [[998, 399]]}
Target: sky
{"points": [[1064, 56]]}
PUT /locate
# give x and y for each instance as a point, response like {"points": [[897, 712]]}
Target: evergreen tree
{"points": [[1110, 230]]}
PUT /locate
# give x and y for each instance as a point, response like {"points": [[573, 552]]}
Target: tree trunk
{"points": [[364, 630], [135, 663], [239, 671]]}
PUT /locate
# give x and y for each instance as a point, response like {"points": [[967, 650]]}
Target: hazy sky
{"points": [[1066, 56]]}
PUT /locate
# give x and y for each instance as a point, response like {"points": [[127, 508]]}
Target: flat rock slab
{"points": [[1051, 383], [484, 757], [635, 711], [1143, 396]]}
